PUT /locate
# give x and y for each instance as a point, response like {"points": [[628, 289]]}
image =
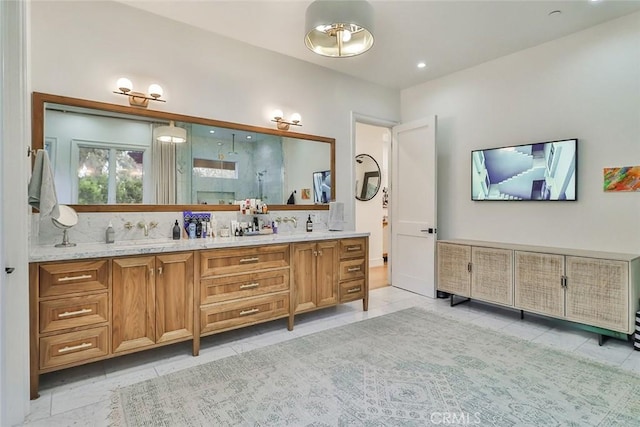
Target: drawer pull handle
{"points": [[74, 313], [75, 347], [353, 290], [68, 278], [249, 286], [353, 248], [352, 269], [247, 312], [252, 259]]}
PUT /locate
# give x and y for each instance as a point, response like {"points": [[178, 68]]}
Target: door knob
{"points": [[428, 230], [9, 270]]}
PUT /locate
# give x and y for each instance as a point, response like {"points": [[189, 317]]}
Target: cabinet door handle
{"points": [[353, 248], [74, 313], [68, 278], [252, 259], [247, 312], [315, 253], [352, 269], [353, 290], [320, 253], [469, 267], [151, 272], [249, 285], [160, 271], [75, 347]]}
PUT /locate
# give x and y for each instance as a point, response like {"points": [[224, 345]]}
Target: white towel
{"points": [[42, 188]]}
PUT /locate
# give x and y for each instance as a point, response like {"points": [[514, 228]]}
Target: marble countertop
{"points": [[153, 246]]}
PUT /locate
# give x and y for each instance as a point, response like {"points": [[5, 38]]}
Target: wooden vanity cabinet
{"points": [[241, 287], [70, 315], [152, 300], [315, 275]]}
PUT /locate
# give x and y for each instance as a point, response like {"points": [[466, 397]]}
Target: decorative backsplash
{"points": [[91, 227]]}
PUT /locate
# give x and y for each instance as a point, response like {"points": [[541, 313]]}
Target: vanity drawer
{"points": [[352, 290], [72, 277], [240, 260], [243, 285], [73, 347], [352, 248], [220, 317], [352, 269], [66, 313]]}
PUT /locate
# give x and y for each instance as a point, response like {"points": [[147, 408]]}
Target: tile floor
{"points": [[80, 396]]}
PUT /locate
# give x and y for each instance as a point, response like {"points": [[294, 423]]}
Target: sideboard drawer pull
{"points": [[247, 312], [75, 347], [68, 278], [252, 259], [352, 269], [74, 313], [249, 286], [353, 290]]}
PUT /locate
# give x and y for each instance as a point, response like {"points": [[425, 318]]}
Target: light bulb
{"points": [[295, 118], [346, 35], [124, 84], [155, 91], [277, 114]]}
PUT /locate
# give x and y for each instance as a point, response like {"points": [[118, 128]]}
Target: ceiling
{"points": [[448, 35]]}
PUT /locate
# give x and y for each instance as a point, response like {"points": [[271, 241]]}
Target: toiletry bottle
{"points": [[198, 228], [110, 234], [176, 231], [192, 229], [205, 228], [309, 224], [274, 226]]}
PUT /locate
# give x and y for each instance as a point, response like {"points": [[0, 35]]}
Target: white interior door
{"points": [[413, 206]]}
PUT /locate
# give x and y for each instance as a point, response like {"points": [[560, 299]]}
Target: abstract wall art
{"points": [[623, 178]]}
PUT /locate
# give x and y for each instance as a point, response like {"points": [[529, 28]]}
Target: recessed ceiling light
{"points": [[248, 136], [422, 65], [212, 131]]}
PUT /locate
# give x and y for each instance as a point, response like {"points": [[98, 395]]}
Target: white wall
{"points": [[81, 48], [369, 140], [584, 86]]}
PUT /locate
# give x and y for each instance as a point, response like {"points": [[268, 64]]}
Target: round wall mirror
{"points": [[367, 177]]}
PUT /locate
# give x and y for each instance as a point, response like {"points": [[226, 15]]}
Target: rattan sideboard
{"points": [[591, 288]]}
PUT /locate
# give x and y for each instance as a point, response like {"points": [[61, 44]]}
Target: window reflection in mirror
{"points": [[367, 177], [107, 157]]}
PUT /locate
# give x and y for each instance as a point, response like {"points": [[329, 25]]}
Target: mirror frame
{"points": [[39, 100], [362, 197]]}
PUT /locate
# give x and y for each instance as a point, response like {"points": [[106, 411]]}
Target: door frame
{"points": [[380, 122]]}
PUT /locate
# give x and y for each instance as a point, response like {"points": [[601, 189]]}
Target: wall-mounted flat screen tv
{"points": [[540, 171]]}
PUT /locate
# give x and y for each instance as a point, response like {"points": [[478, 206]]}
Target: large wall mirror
{"points": [[367, 177], [107, 157]]}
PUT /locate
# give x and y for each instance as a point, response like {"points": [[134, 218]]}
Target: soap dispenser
{"points": [[176, 231], [110, 234], [309, 224]]}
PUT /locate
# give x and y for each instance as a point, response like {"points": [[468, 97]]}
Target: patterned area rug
{"points": [[410, 368]]}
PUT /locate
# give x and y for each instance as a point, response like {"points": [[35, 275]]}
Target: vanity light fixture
{"points": [[138, 99], [171, 133], [283, 124], [339, 29]]}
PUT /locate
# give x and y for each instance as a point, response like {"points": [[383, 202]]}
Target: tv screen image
{"points": [[540, 171]]}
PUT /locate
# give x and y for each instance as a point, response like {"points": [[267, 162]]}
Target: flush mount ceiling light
{"points": [[339, 28], [138, 99], [171, 133]]}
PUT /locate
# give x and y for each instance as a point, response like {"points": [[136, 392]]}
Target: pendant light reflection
{"points": [[171, 134], [339, 28]]}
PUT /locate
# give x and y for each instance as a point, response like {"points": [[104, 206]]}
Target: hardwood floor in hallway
{"points": [[378, 277]]}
